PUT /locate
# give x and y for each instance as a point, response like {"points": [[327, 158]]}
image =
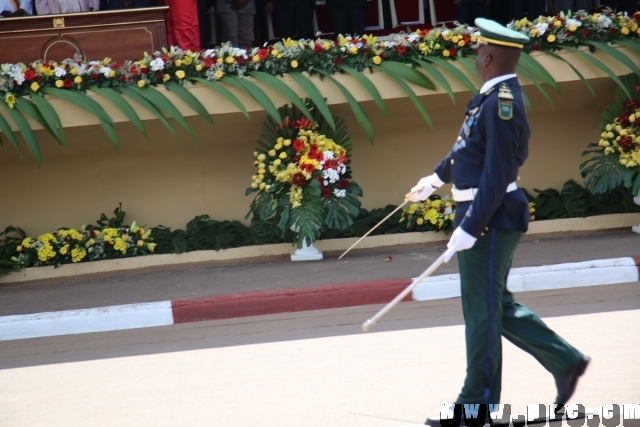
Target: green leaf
{"points": [[224, 92], [407, 73], [316, 97], [364, 122], [614, 53], [27, 133], [538, 71], [369, 87], [632, 44], [451, 69], [469, 62], [135, 96], [189, 99], [256, 93], [162, 103], [6, 129], [283, 89], [575, 70], [26, 108], [412, 96], [51, 117], [532, 79], [595, 61], [116, 99], [83, 101], [439, 78]]}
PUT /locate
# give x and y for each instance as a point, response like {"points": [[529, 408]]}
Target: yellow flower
{"points": [[272, 153], [624, 31], [633, 25], [326, 45], [255, 58], [353, 50], [289, 43], [230, 60], [77, 80], [10, 99], [180, 74], [77, 255], [474, 38], [294, 64], [112, 73], [283, 155], [178, 62], [461, 43], [151, 246], [455, 39], [141, 83], [64, 250], [446, 53], [219, 74], [572, 28], [533, 32], [199, 67], [371, 39], [187, 60], [557, 24], [27, 242], [551, 38], [262, 157], [166, 78], [35, 86], [219, 61], [377, 60], [274, 52], [419, 221], [140, 242], [73, 71]]}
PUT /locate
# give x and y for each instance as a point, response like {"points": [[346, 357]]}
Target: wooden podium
{"points": [[118, 34]]}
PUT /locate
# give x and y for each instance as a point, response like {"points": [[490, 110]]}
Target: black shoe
{"points": [[566, 383], [454, 421]]}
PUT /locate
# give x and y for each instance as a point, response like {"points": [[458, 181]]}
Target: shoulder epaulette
{"points": [[505, 102]]}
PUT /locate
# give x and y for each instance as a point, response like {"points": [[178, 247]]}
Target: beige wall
{"points": [[164, 181]]}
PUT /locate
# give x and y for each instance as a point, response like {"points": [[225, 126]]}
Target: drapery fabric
{"points": [[183, 29]]}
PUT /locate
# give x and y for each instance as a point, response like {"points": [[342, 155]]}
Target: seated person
{"points": [[126, 4], [9, 8], [53, 7]]}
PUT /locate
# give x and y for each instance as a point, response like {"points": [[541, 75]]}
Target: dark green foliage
{"points": [[114, 222], [10, 239], [574, 201], [169, 242]]}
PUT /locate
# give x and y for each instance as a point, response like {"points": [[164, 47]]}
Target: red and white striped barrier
{"points": [[163, 313]]}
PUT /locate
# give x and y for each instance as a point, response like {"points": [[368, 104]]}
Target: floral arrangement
{"points": [[303, 176], [572, 29], [68, 245], [435, 213], [615, 158]]}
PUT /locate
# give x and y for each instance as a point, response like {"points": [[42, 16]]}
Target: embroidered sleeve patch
{"points": [[505, 109]]}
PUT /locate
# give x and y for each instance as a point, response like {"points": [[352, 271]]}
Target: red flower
{"points": [[401, 49], [338, 60], [536, 46], [240, 60], [297, 144], [637, 88], [299, 179], [144, 70], [296, 158], [585, 32], [317, 48], [29, 74], [626, 143], [95, 76], [68, 83], [452, 52], [159, 76], [208, 62], [636, 16], [326, 193], [613, 31]]}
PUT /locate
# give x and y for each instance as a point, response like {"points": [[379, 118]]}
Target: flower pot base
{"points": [[307, 253]]}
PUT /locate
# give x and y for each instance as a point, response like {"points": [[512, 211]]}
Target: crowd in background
{"points": [[200, 24]]}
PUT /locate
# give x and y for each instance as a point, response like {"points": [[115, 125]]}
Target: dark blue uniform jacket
{"points": [[486, 155]]}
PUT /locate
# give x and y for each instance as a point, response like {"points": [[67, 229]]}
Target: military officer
{"points": [[491, 216]]}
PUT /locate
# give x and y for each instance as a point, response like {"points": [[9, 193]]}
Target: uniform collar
{"points": [[494, 81]]}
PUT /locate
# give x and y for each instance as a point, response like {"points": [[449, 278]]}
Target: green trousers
{"points": [[490, 311]]}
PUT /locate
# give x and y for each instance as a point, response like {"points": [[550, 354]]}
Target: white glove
{"points": [[425, 187], [460, 241]]}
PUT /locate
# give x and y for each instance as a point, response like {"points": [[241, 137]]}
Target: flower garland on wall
{"points": [[23, 86]]}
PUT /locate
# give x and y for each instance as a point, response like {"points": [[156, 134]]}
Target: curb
{"points": [[164, 313]]}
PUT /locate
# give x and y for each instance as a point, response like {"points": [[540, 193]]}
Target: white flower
{"points": [[17, 74], [105, 71], [157, 64], [340, 193], [59, 72], [542, 27], [604, 21], [328, 155], [571, 21], [413, 37]]}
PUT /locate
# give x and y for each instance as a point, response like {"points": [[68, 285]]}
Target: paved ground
{"points": [[216, 290]]}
